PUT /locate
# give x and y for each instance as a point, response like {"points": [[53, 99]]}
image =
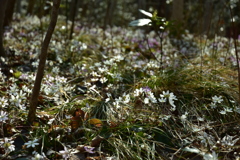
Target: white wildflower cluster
{"points": [[118, 58], [206, 139], [17, 97], [171, 98], [226, 110], [152, 65], [218, 100], [150, 98], [205, 155], [55, 87], [97, 77], [125, 99], [7, 145], [77, 46], [116, 76], [229, 140], [138, 92]]}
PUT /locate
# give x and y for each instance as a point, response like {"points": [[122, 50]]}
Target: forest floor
{"points": [[119, 93]]}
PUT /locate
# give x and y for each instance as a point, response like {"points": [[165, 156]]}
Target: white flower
{"points": [[3, 102], [151, 97], [165, 94], [146, 100], [171, 97], [98, 64], [37, 157], [162, 100], [8, 145], [142, 22], [35, 64], [229, 140], [164, 117], [51, 121], [15, 100], [237, 110], [209, 156], [126, 98], [13, 89], [55, 70], [217, 99], [118, 58], [137, 92], [26, 89], [200, 119], [22, 95], [22, 107], [3, 116], [227, 109], [32, 143], [89, 149], [146, 13], [213, 105], [65, 153], [184, 116], [107, 100], [116, 104], [103, 79], [222, 112]]}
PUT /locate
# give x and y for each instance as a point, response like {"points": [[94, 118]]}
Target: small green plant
{"points": [[158, 24]]}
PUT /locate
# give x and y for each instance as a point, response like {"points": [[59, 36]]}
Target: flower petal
{"points": [[145, 13], [140, 22]]}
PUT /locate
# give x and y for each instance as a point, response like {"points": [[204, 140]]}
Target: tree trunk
{"points": [[30, 7], [207, 17], [3, 4], [177, 11], [111, 5], [72, 16], [41, 66], [9, 12]]}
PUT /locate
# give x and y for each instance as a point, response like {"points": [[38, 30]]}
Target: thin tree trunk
{"points": [[72, 16], [9, 12], [111, 5], [3, 4], [41, 66], [177, 16], [207, 17], [30, 7], [177, 10]]}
